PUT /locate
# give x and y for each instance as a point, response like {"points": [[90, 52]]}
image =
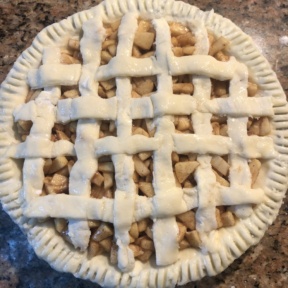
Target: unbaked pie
{"points": [[142, 144]]}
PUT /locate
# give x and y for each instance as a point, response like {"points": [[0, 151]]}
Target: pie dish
{"points": [[230, 203]]}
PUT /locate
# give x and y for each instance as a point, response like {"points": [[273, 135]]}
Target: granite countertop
{"points": [[266, 21]]}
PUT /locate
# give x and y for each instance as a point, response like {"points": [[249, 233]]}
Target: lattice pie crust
{"points": [[154, 143]]}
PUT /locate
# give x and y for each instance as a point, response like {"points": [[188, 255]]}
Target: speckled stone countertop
{"points": [[265, 265]]}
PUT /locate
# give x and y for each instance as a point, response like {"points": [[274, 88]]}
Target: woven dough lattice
{"points": [[89, 109]]}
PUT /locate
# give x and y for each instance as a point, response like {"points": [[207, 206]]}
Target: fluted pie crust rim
{"points": [[51, 247]]}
